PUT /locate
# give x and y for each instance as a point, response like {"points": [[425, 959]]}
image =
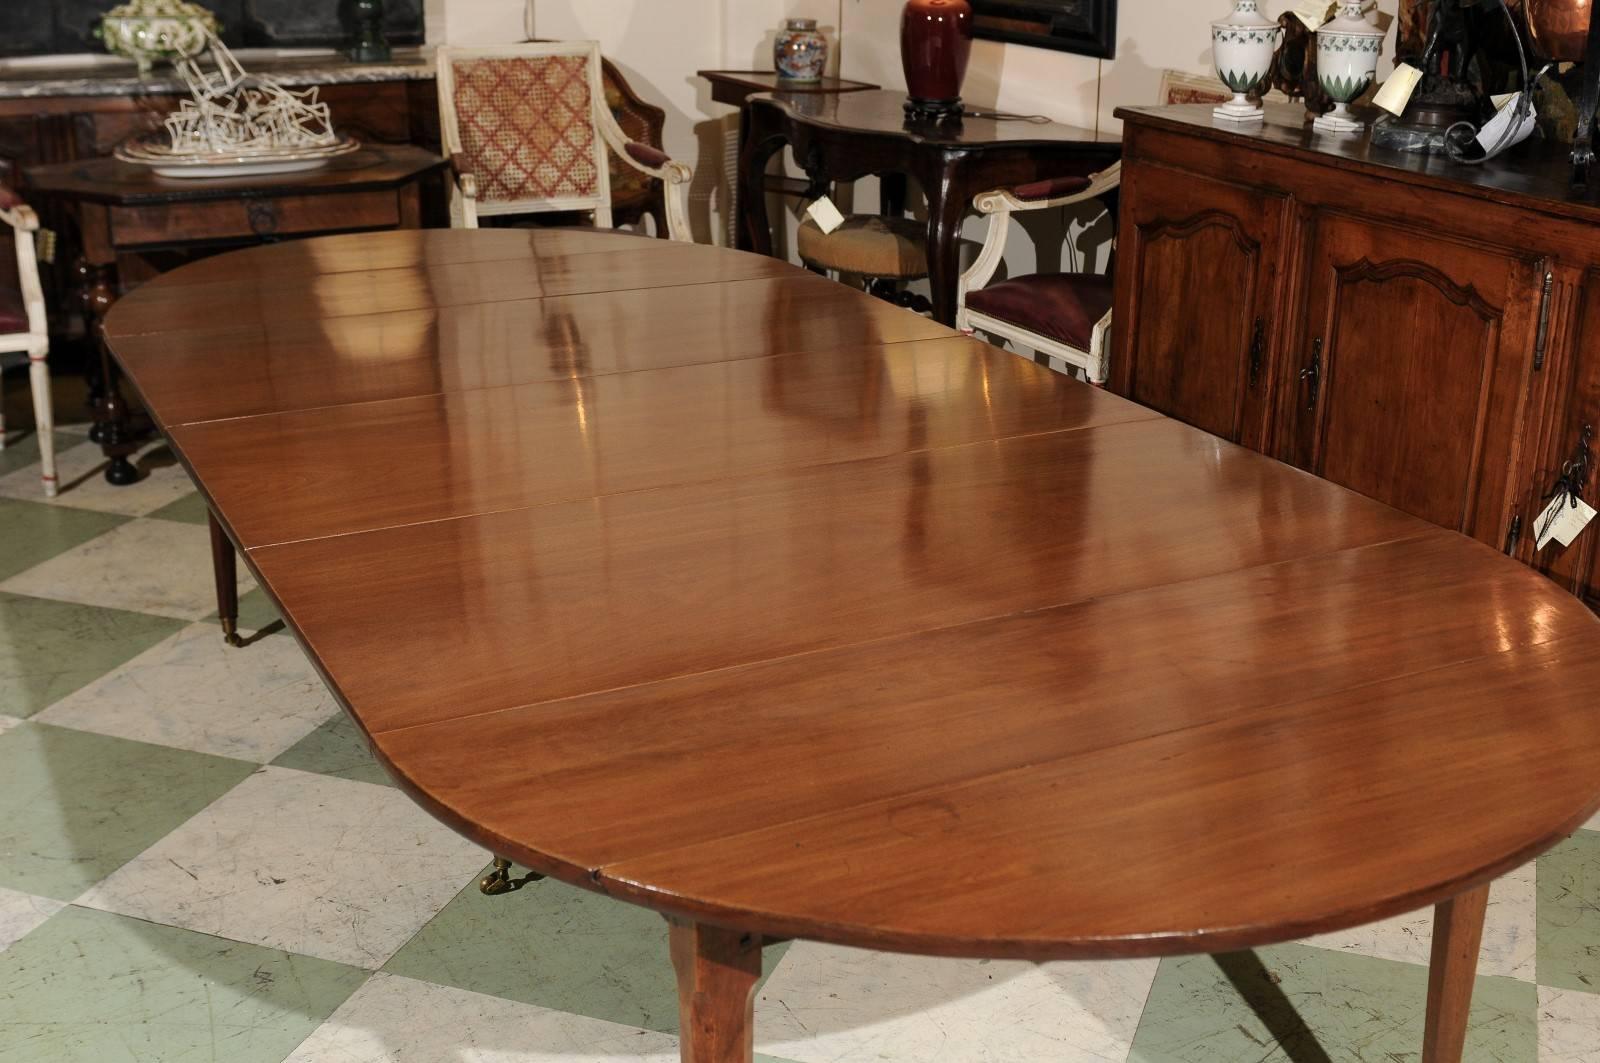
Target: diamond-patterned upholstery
{"points": [[527, 129]]}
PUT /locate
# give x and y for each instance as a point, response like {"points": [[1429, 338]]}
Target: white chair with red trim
{"points": [[1063, 318], [23, 330], [527, 130]]}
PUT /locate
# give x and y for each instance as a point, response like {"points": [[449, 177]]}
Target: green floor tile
{"points": [[190, 509], [25, 451], [75, 806], [91, 987], [556, 946], [335, 748], [1315, 1005], [50, 648], [1569, 914], [31, 532]]}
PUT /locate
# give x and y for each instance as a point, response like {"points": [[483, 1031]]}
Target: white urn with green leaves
{"points": [[1243, 46], [1347, 62], [150, 30]]}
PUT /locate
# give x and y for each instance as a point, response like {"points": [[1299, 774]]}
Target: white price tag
{"points": [[826, 215], [1497, 132], [1396, 92], [1562, 521], [1312, 12]]}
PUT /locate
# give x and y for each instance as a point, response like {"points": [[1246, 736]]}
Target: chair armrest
{"points": [[14, 212], [655, 162], [1044, 195]]}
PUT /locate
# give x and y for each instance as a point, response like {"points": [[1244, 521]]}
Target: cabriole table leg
{"points": [[717, 974], [1457, 931]]}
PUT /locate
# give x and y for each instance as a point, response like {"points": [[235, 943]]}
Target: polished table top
{"points": [[692, 578], [882, 111]]}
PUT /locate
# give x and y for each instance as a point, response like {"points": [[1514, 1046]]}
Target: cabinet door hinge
{"points": [[1514, 535], [1543, 334]]}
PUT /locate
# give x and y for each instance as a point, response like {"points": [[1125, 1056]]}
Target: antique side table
{"points": [[842, 137], [133, 224]]}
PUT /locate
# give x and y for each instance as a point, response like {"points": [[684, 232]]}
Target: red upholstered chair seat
{"points": [[13, 312], [1063, 306]]}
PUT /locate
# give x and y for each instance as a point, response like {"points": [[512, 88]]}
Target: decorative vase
{"points": [[1347, 62], [800, 53], [1559, 27], [150, 30], [1243, 46], [935, 44], [367, 42]]}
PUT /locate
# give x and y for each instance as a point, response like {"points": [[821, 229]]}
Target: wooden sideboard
{"points": [[1425, 333]]}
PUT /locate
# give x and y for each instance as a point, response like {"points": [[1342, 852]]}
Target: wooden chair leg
{"points": [[44, 425], [717, 973], [1457, 932], [225, 567]]}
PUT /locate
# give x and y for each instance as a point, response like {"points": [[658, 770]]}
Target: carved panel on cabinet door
{"points": [[1424, 362], [1200, 277]]}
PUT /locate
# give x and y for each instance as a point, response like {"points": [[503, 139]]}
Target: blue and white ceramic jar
{"points": [[800, 53]]}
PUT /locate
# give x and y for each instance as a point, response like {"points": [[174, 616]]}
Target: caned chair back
{"points": [[522, 120]]}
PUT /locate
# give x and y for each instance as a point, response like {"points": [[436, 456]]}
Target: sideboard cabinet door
{"points": [[1197, 277], [1409, 374]]}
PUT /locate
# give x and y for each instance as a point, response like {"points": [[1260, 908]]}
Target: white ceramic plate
{"points": [[155, 153]]}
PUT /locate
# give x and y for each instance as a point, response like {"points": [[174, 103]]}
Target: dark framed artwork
{"points": [[1087, 27]]}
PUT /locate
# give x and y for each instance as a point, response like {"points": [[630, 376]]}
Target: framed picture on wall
{"points": [[1087, 27]]}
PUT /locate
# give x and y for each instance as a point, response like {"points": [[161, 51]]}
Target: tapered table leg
{"points": [[1457, 931], [225, 568], [717, 974]]}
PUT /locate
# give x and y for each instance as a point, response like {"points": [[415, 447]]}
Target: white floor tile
{"points": [[21, 912], [397, 1020], [327, 867], [1510, 936], [1569, 1026], [79, 471], [1594, 822], [147, 566], [1509, 932], [7, 723], [193, 691], [826, 1003]]}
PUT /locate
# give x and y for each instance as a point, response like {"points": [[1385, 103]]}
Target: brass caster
{"points": [[499, 881], [230, 634]]}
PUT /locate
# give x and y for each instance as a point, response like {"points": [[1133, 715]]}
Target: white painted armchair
{"points": [[23, 330], [1064, 318], [527, 130]]}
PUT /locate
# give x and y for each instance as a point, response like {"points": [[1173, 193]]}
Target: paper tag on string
{"points": [[1562, 520], [825, 214], [1312, 12], [1497, 133], [1396, 92]]}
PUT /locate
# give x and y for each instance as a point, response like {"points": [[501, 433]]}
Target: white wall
{"points": [[660, 44]]}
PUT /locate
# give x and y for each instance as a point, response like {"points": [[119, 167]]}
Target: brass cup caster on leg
{"points": [[230, 632], [499, 880]]}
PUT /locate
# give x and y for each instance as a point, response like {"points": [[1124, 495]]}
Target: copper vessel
{"points": [[1559, 28]]}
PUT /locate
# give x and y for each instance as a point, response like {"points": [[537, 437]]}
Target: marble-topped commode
{"points": [[99, 76]]}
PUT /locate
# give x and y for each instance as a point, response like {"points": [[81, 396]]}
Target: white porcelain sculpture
{"points": [[1242, 45], [1347, 62], [235, 123]]}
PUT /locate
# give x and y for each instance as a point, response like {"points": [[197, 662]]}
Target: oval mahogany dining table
{"points": [[691, 578]]}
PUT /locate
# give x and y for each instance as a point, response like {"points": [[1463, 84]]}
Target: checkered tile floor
{"points": [[198, 861]]}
